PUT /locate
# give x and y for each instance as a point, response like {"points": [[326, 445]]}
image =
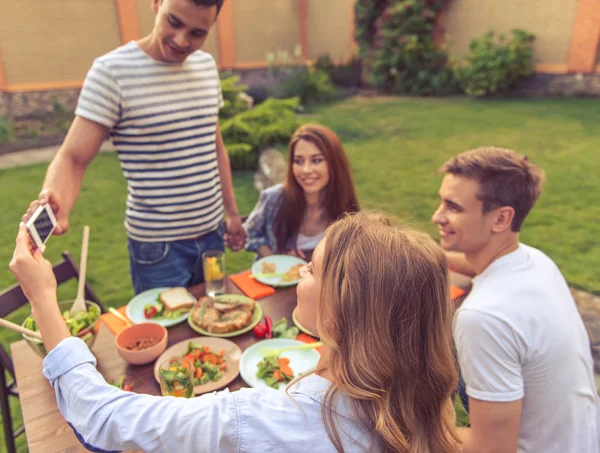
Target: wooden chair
{"points": [[10, 300]]}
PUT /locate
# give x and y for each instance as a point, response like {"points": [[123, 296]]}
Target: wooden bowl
{"points": [[138, 332]]}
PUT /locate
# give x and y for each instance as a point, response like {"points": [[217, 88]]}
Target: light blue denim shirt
{"points": [[106, 418]]}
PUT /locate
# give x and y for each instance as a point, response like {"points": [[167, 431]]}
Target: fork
{"points": [[276, 352]]}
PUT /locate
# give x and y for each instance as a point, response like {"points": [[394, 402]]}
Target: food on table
{"points": [[281, 329], [268, 268], [293, 273], [176, 378], [170, 304], [264, 330], [205, 364], [275, 370], [223, 315], [121, 384], [176, 299], [78, 323], [142, 343]]}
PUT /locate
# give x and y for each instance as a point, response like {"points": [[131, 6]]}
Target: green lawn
{"points": [[395, 146]]}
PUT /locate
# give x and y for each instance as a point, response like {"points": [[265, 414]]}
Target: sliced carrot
{"points": [[286, 370], [210, 358], [277, 375], [199, 373], [185, 363], [206, 349], [190, 357], [283, 361], [221, 353], [219, 360]]}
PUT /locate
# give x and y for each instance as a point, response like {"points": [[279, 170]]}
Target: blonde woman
{"points": [[383, 382]]}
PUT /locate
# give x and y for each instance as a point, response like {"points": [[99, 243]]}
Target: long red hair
{"points": [[338, 197]]}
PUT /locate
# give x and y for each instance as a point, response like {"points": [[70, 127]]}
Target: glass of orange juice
{"points": [[214, 272], [176, 377]]}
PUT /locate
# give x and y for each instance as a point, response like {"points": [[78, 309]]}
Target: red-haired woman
{"points": [[291, 218]]}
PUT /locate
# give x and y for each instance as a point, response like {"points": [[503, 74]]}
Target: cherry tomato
{"points": [[150, 312], [260, 330]]}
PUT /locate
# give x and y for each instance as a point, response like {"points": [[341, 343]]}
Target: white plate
{"points": [[135, 308], [301, 361], [282, 264]]}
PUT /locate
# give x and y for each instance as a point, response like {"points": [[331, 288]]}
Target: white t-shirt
{"points": [[519, 336]]}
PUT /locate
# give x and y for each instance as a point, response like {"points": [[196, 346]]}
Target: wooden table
{"points": [[46, 429], [48, 432]]}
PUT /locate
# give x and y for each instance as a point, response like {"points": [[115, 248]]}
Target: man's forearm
{"points": [[224, 165], [64, 177]]}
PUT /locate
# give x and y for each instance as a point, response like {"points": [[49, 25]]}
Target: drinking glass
{"points": [[213, 262], [176, 378]]}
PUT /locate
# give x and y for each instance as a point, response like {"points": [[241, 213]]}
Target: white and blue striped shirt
{"points": [[163, 119]]}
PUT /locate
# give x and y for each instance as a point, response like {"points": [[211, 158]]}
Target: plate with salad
{"points": [[215, 362], [164, 306], [258, 370]]}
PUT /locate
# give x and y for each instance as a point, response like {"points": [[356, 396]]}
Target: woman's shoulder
{"points": [[272, 194], [273, 191]]}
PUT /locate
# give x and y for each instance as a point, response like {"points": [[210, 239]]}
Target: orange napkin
{"points": [[250, 287], [456, 292], [114, 324], [305, 338]]}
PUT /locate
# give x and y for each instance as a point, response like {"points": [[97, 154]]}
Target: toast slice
{"points": [[177, 298]]}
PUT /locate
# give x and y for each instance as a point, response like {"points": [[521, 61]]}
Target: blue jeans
{"points": [[169, 264]]}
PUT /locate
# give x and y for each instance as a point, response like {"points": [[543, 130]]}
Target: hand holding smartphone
{"points": [[41, 225]]}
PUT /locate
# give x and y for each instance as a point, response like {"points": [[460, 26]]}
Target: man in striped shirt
{"points": [[159, 100]]}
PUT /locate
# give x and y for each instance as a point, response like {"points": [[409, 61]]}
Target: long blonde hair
{"points": [[385, 297]]}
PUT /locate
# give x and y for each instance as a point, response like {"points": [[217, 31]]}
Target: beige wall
{"points": [[146, 21], [329, 29], [55, 40], [551, 21], [263, 26]]}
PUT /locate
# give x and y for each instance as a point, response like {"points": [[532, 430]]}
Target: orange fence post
{"points": [[2, 76], [303, 17], [586, 37], [128, 20], [226, 36]]}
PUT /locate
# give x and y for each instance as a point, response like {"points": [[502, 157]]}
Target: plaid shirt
{"points": [[259, 226]]}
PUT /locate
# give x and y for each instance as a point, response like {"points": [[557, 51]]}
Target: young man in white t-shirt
{"points": [[523, 350]]}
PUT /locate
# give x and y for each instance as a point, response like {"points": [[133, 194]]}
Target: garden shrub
{"points": [[494, 65], [270, 123], [7, 131], [242, 156], [292, 78], [345, 75], [231, 89], [397, 46], [312, 86]]}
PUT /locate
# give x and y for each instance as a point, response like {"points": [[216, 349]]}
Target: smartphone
{"points": [[41, 225]]}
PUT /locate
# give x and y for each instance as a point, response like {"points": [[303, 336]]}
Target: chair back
{"points": [[12, 299]]}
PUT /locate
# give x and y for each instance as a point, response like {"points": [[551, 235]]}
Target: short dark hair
{"points": [[506, 178], [209, 3]]}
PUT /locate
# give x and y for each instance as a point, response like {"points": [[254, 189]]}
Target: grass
{"points": [[395, 145]]}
